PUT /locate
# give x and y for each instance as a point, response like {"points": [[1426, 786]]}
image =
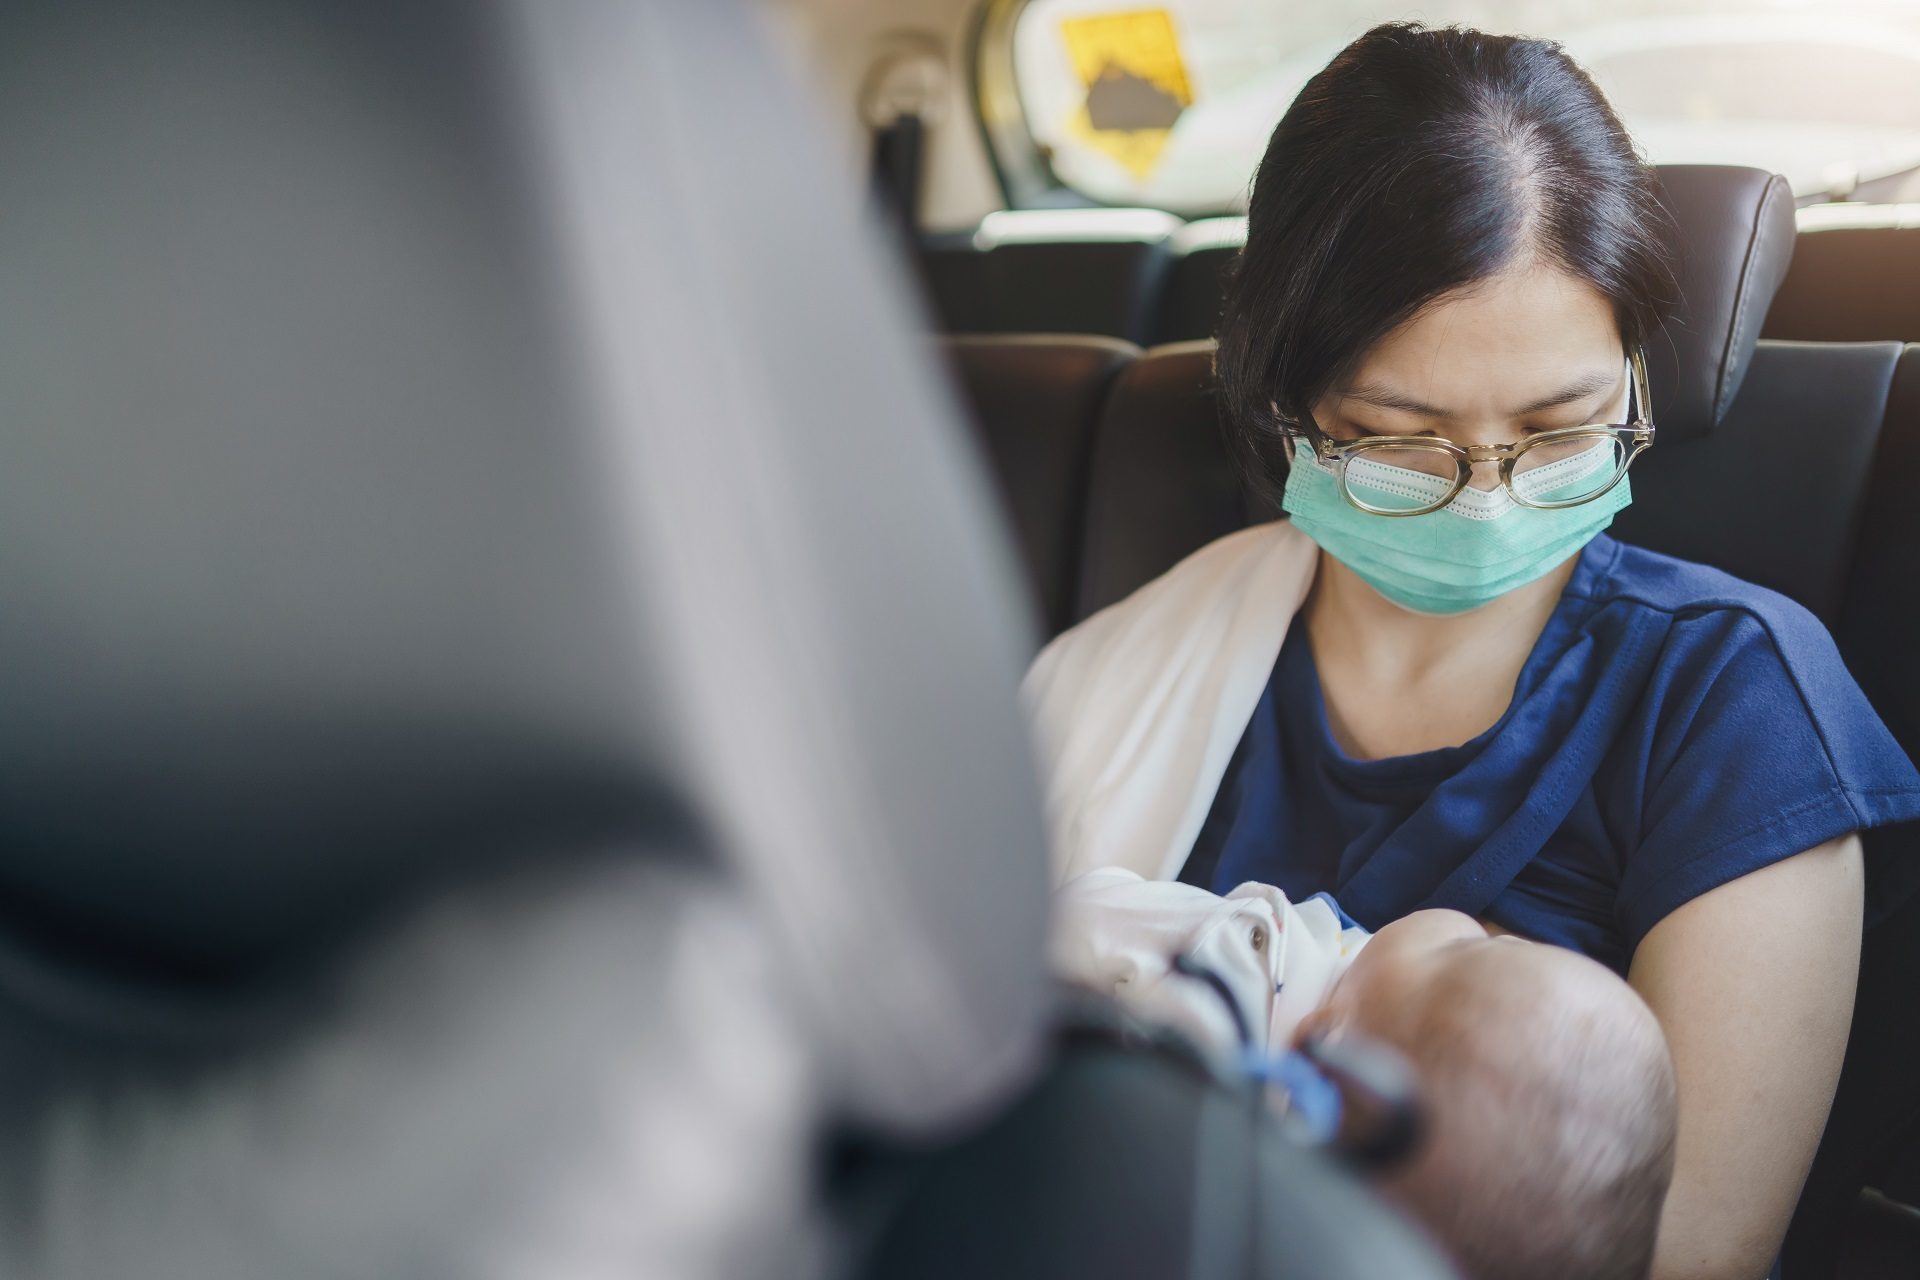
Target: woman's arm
{"points": [[1753, 983]]}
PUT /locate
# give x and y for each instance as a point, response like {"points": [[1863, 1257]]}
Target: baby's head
{"points": [[1551, 1104]]}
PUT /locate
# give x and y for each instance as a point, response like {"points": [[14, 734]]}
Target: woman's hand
{"points": [[1753, 984]]}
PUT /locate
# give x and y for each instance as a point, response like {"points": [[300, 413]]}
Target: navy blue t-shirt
{"points": [[1673, 729]]}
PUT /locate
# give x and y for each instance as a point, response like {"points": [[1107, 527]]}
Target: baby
{"points": [[1549, 1094]]}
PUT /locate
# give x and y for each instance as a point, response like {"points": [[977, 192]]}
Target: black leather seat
{"points": [[1734, 480], [1189, 304], [1036, 402], [1873, 1135], [1163, 483], [1855, 277], [1879, 624], [1081, 271]]}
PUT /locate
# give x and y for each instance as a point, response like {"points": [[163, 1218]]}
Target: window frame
{"points": [[1020, 166]]}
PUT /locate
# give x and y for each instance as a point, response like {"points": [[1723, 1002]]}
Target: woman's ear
{"points": [[1286, 438]]}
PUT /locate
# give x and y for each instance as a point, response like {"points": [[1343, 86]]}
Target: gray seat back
{"points": [[508, 673]]}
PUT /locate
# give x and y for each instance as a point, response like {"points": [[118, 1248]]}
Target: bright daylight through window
{"points": [[1170, 105]]}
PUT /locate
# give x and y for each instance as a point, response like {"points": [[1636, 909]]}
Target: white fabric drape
{"points": [[1137, 709], [1118, 934]]}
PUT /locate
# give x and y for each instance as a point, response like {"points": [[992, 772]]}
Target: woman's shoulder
{"points": [[1748, 740], [1653, 580], [1699, 607], [1744, 673]]}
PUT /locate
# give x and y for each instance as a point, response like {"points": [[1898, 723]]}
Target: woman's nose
{"points": [[1485, 473]]}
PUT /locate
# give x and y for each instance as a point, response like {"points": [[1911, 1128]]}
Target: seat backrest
{"points": [[1875, 1122], [1879, 623], [1081, 271], [1762, 496], [1196, 284], [469, 578], [1163, 483], [1035, 402], [1855, 276]]}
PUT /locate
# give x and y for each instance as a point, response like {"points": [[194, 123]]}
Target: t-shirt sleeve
{"points": [[1764, 747]]}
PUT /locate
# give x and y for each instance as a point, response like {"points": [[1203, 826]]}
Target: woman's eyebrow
{"points": [[1593, 384], [1387, 398]]}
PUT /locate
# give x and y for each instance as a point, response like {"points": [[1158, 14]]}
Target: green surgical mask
{"points": [[1475, 549]]}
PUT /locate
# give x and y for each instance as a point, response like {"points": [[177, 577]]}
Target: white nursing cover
{"points": [[1118, 934], [1137, 709]]}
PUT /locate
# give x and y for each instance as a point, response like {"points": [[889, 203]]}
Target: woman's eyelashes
{"points": [[1360, 431], [1599, 409], [1347, 432]]}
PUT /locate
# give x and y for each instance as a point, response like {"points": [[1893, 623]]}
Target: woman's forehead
{"points": [[1509, 341]]}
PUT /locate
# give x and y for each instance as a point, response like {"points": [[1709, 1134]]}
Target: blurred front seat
{"points": [[447, 641]]}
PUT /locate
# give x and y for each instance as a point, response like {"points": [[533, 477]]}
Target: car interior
{"points": [[521, 525]]}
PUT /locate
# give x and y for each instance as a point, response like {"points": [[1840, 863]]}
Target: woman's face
{"points": [[1526, 351]]}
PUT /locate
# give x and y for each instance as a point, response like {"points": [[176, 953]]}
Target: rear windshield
{"points": [[1170, 105]]}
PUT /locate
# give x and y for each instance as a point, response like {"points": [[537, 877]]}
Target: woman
{"points": [[1440, 684]]}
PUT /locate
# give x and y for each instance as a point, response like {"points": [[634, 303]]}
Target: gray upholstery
{"points": [[475, 595], [824, 569], [527, 1075], [1198, 1183]]}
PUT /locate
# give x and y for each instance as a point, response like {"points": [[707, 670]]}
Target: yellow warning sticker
{"points": [[1136, 84]]}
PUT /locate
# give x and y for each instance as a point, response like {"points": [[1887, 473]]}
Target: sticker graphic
{"points": [[1135, 80]]}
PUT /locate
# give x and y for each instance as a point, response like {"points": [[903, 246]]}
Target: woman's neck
{"points": [[1394, 683], [1367, 631]]}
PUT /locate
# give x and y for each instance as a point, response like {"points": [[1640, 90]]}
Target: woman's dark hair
{"points": [[1418, 161]]}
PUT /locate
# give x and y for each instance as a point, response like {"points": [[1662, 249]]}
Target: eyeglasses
{"points": [[1412, 475]]}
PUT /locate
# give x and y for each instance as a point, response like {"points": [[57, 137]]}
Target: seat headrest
{"points": [[419, 438], [1735, 229]]}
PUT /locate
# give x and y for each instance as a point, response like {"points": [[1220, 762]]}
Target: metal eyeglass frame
{"points": [[1466, 457]]}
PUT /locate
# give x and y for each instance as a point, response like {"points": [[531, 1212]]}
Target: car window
{"points": [[1170, 105]]}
